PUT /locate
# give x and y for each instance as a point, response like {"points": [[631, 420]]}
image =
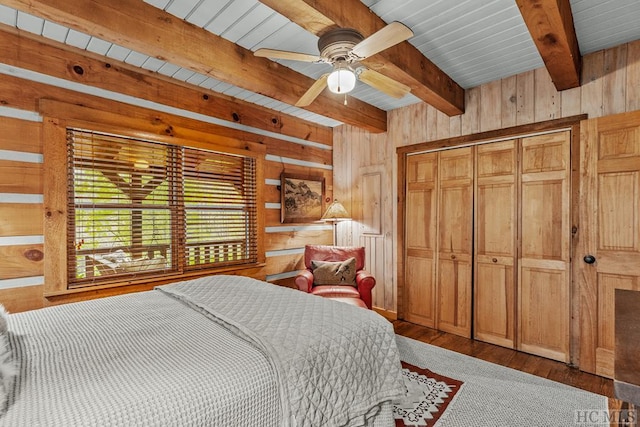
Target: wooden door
{"points": [[544, 254], [495, 243], [609, 231], [420, 239], [455, 240]]}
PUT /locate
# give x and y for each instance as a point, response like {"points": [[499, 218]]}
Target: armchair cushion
{"points": [[333, 291], [334, 272]]}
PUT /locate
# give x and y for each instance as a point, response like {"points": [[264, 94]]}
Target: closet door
{"points": [[455, 240], [544, 273], [420, 239], [609, 251], [495, 243]]}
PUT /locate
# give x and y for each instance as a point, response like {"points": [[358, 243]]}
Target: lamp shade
{"points": [[341, 80], [335, 212]]}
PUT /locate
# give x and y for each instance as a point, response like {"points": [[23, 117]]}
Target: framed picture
{"points": [[302, 198]]}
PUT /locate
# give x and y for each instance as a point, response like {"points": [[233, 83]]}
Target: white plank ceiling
{"points": [[473, 41]]}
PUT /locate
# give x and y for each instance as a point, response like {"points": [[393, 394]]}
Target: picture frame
{"points": [[301, 198]]}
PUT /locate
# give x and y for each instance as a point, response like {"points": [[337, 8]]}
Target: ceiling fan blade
{"points": [[312, 93], [382, 39], [383, 83], [283, 54]]}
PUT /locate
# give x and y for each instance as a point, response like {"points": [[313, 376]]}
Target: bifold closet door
{"points": [[455, 240], [495, 243], [545, 233], [420, 239]]}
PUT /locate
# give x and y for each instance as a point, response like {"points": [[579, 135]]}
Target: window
{"points": [[140, 208]]}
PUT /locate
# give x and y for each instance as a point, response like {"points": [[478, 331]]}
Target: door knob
{"points": [[589, 259]]}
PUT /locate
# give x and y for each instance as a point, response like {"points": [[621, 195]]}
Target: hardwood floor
{"points": [[540, 366]]}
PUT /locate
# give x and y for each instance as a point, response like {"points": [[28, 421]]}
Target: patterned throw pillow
{"points": [[334, 273]]}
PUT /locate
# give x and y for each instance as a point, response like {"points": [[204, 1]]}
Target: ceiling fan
{"points": [[344, 48]]}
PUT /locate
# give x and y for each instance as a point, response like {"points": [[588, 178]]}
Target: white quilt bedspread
{"points": [[335, 362], [142, 359], [216, 351]]}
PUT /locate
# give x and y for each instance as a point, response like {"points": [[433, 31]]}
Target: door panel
{"points": [[542, 217], [617, 229], [420, 291], [607, 284], [543, 264], [455, 214], [543, 326], [494, 303], [422, 202], [455, 240], [454, 295], [420, 238], [495, 240]]}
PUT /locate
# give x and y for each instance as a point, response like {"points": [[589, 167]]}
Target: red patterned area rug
{"points": [[429, 396]]}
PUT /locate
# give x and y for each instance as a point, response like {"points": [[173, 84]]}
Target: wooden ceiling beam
{"points": [[402, 62], [550, 23], [141, 27], [42, 55]]}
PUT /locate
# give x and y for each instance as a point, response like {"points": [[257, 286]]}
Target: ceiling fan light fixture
{"points": [[341, 80], [344, 48]]}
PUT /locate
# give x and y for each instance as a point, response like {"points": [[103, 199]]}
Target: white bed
{"points": [[215, 351]]}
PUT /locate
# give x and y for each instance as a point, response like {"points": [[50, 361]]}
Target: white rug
{"points": [[493, 395]]}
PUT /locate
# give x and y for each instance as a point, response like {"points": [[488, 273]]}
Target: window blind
{"points": [[220, 209], [142, 208]]}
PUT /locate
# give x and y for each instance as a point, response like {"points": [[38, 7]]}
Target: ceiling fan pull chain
{"points": [[345, 99]]}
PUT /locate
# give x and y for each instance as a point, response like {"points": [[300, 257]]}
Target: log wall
{"points": [[292, 145]]}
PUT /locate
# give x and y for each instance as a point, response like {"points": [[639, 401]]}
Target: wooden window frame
{"points": [[59, 116]]}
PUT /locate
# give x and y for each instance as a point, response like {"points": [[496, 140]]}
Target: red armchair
{"points": [[359, 295]]}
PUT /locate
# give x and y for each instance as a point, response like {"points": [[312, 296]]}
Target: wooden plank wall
{"points": [[362, 167], [610, 85], [21, 183]]}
